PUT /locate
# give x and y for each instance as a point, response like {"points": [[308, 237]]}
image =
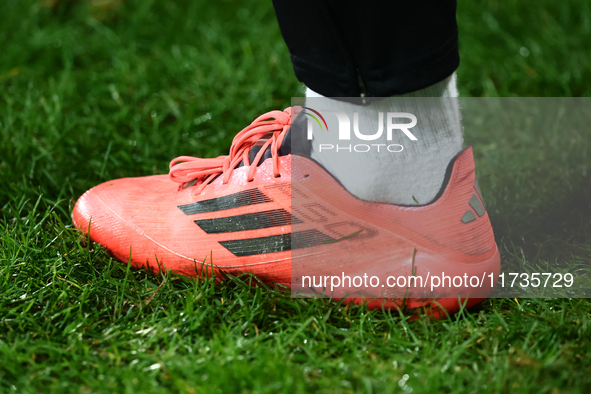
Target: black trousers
{"points": [[371, 48]]}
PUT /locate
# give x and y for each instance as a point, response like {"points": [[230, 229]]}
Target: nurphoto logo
{"points": [[391, 125]]}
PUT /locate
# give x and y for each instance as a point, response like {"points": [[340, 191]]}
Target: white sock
{"points": [[413, 176]]}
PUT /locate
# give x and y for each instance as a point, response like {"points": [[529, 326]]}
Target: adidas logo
{"points": [[252, 221], [476, 203]]}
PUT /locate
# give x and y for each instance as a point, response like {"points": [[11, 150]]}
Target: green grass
{"points": [[93, 90]]}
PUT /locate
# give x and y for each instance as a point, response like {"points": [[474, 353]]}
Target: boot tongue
{"points": [[256, 148], [294, 142]]}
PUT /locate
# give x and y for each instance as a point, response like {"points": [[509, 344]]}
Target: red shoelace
{"points": [[186, 169]]}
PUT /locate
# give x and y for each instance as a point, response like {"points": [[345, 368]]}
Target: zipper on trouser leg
{"points": [[362, 88]]}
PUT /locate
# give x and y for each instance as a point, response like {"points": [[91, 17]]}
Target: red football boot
{"points": [[270, 210]]}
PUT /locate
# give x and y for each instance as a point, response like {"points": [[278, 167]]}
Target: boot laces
{"points": [[201, 172]]}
